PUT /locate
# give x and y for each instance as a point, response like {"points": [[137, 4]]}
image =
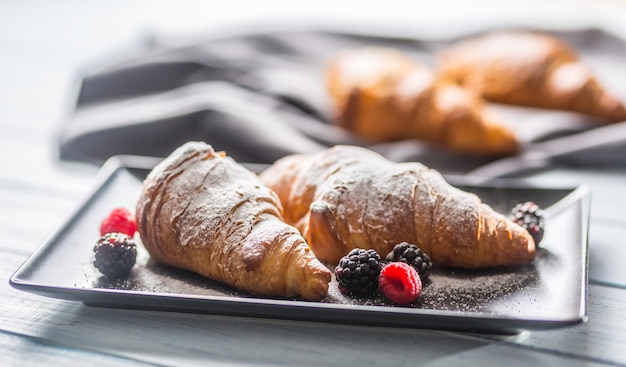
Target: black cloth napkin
{"points": [[261, 96]]}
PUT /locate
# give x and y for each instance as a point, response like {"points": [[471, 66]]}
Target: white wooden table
{"points": [[44, 45]]}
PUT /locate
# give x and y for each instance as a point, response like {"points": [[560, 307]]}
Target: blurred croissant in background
{"points": [[529, 69], [383, 95]]}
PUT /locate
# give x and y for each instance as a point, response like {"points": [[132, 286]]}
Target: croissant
{"points": [[382, 95], [347, 197], [201, 211], [529, 69]]}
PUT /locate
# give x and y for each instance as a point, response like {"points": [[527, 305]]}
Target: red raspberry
{"points": [[400, 283], [119, 220]]}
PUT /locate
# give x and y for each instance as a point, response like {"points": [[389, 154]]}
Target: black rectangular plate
{"points": [[549, 293]]}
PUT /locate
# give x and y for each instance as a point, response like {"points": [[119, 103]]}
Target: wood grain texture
{"points": [[500, 355], [607, 251], [601, 338], [23, 351]]}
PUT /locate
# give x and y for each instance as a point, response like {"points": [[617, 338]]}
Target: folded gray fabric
{"points": [[260, 97]]}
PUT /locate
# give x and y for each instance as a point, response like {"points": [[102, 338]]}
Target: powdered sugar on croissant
{"points": [[347, 197], [201, 211]]}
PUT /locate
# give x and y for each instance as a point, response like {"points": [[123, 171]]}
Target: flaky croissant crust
{"points": [[201, 211], [347, 197]]}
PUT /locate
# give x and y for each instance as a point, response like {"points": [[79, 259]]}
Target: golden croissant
{"points": [[201, 211], [382, 95], [529, 69], [348, 197]]}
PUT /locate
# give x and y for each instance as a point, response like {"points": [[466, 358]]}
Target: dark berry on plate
{"points": [[119, 220], [412, 255], [357, 273], [116, 254], [530, 216], [400, 283]]}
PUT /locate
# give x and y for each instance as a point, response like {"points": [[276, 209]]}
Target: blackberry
{"points": [[357, 272], [116, 254], [412, 255], [530, 216]]}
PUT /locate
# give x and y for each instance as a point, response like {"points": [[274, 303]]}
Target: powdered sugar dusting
{"points": [[375, 203]]}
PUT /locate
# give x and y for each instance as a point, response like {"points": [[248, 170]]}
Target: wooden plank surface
{"points": [[602, 338], [18, 350], [607, 251]]}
